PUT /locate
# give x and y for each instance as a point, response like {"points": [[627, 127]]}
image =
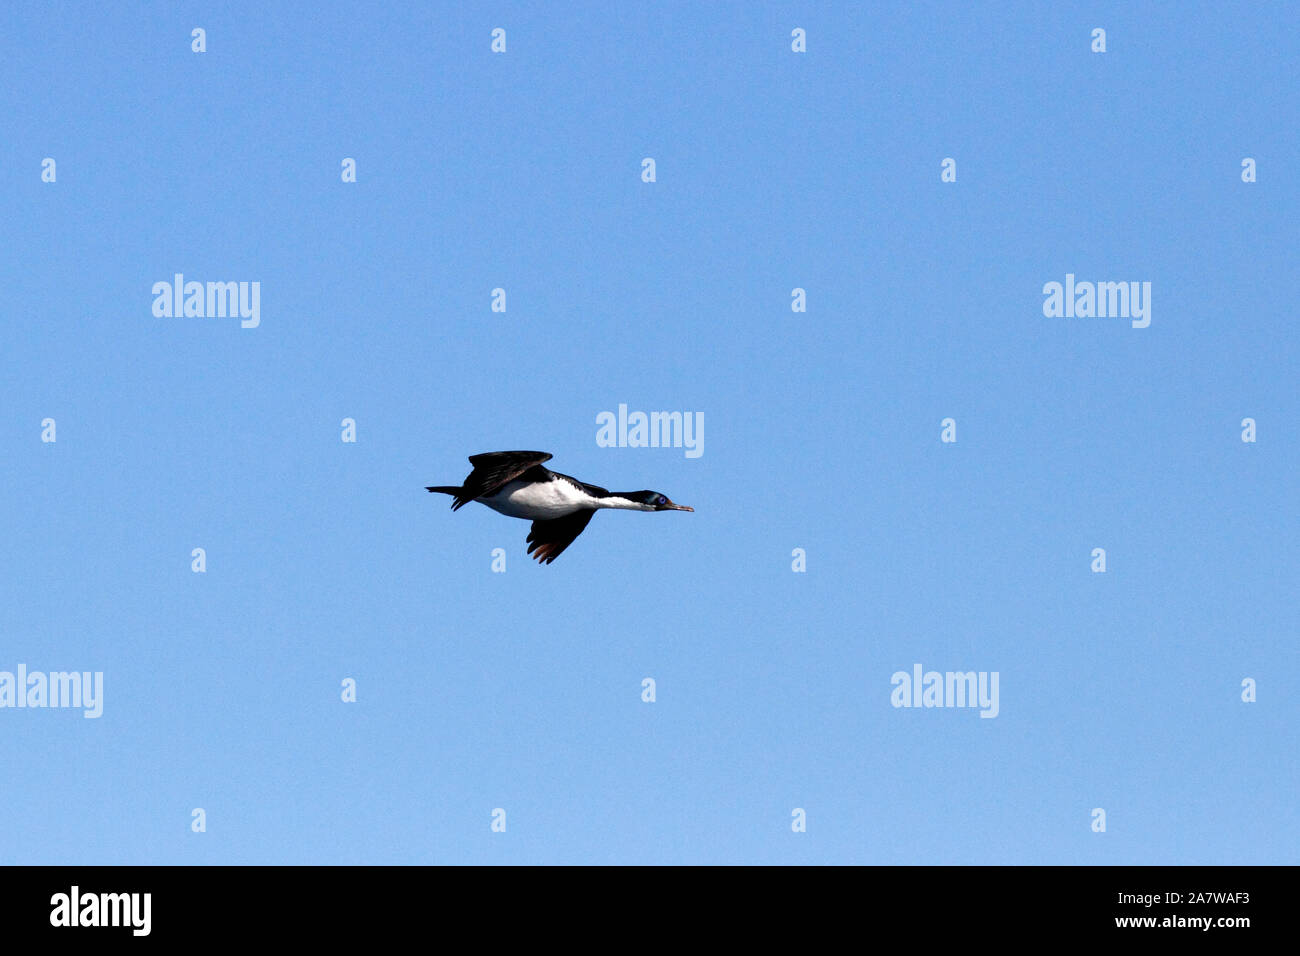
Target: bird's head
{"points": [[654, 501]]}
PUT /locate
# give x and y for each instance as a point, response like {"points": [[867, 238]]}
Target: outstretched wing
{"points": [[550, 538], [494, 469]]}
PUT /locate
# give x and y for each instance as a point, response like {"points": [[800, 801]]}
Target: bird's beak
{"points": [[672, 507]]}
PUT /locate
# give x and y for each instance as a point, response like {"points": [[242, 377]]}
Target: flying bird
{"points": [[515, 484]]}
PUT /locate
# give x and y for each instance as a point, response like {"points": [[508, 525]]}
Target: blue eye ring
{"points": [[662, 500]]}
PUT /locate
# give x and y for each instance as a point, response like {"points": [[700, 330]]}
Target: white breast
{"points": [[538, 499]]}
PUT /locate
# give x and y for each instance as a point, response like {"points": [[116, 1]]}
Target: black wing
{"points": [[550, 538], [494, 469]]}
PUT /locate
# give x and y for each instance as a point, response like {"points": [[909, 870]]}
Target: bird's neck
{"points": [[621, 503]]}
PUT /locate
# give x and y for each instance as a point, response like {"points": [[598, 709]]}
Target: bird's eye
{"points": [[662, 500]]}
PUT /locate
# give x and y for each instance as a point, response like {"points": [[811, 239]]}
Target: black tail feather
{"points": [[456, 492]]}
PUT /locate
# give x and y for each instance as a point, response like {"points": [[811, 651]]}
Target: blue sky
{"points": [[522, 690]]}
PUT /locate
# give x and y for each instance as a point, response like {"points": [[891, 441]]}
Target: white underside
{"points": [[538, 500]]}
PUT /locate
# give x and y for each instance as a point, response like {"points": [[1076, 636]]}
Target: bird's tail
{"points": [[455, 491]]}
